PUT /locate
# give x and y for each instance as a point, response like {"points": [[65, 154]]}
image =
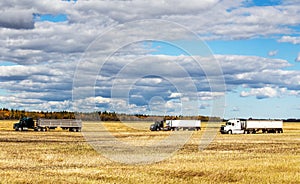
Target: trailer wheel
{"points": [[72, 130]]}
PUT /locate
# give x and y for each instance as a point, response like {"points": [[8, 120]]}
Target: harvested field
{"points": [[65, 157]]}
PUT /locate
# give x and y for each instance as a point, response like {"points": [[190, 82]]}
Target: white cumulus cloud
{"points": [[298, 58], [265, 92], [290, 39], [273, 52]]}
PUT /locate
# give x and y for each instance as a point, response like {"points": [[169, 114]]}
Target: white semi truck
{"points": [[239, 126], [176, 125]]}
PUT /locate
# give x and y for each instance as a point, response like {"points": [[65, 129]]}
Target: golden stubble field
{"points": [[65, 157]]}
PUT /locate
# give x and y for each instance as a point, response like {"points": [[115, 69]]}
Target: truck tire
{"points": [[72, 130], [229, 131]]}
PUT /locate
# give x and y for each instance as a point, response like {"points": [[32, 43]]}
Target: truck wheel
{"points": [[229, 131]]}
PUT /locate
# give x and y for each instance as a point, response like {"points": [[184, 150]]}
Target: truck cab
{"points": [[233, 126], [157, 126], [24, 124]]}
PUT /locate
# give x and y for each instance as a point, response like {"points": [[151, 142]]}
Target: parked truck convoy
{"points": [[176, 125], [47, 124], [240, 126]]}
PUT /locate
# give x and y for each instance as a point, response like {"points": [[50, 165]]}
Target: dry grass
{"points": [[65, 157]]}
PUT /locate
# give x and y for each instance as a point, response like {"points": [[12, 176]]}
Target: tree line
{"points": [[14, 114]]}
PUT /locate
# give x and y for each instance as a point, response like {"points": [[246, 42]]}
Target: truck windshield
{"points": [[228, 123]]}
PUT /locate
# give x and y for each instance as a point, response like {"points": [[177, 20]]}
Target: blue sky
{"points": [[51, 17], [51, 57]]}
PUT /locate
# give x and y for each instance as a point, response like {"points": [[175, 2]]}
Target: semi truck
{"points": [[242, 126], [176, 125], [47, 124]]}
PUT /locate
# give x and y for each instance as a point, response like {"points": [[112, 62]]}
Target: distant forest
{"points": [[11, 114]]}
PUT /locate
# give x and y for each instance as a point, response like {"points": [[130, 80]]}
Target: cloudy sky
{"points": [[211, 57]]}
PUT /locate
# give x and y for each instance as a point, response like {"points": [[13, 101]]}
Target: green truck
{"points": [[26, 123]]}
